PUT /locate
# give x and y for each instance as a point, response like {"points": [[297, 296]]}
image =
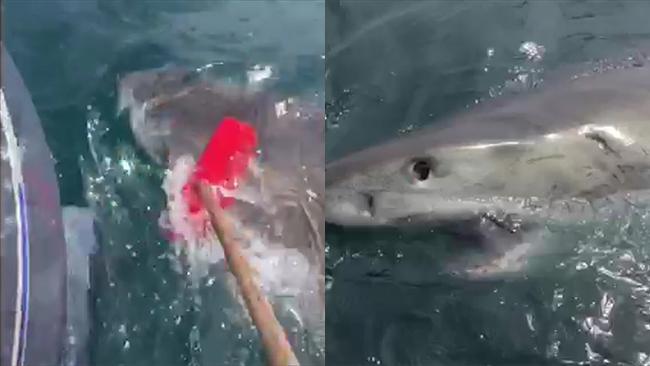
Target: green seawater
{"points": [[144, 311], [391, 67], [395, 66]]}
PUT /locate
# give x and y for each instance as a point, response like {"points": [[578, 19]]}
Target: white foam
{"points": [[192, 238], [259, 73], [281, 271]]}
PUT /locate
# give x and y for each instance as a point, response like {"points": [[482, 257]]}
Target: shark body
{"points": [[173, 112]]}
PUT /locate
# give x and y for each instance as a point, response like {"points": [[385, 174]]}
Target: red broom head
{"points": [[224, 162]]}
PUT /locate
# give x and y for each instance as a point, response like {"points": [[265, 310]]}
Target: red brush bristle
{"points": [[224, 162]]}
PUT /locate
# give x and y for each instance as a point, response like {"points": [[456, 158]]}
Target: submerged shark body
{"points": [[495, 173], [173, 113]]}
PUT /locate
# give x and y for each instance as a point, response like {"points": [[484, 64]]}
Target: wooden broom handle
{"points": [[277, 347]]}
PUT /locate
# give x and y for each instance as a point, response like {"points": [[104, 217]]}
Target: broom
{"points": [[224, 163]]}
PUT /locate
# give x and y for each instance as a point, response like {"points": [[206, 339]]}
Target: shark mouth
{"points": [[494, 238]]}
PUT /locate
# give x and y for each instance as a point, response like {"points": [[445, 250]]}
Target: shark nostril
{"points": [[370, 202]]}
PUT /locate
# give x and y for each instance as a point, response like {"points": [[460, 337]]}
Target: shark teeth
{"points": [[506, 221]]}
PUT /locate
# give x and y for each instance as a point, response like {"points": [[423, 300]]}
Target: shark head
{"points": [[497, 178], [173, 111], [583, 139]]}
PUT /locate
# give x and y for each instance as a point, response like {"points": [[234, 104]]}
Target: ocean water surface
{"points": [[144, 311], [393, 67]]}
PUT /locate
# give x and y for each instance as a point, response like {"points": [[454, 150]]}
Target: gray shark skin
{"points": [[584, 138], [174, 111], [494, 176]]}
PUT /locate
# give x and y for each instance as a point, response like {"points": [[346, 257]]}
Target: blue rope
{"points": [[24, 252]]}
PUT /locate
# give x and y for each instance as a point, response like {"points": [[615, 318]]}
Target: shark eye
{"points": [[421, 168]]}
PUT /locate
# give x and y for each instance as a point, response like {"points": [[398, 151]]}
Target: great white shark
{"points": [[173, 112], [496, 172]]}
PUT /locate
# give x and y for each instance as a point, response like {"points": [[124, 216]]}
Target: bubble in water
{"points": [[533, 51], [558, 298], [127, 166], [259, 73], [529, 321], [581, 265]]}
